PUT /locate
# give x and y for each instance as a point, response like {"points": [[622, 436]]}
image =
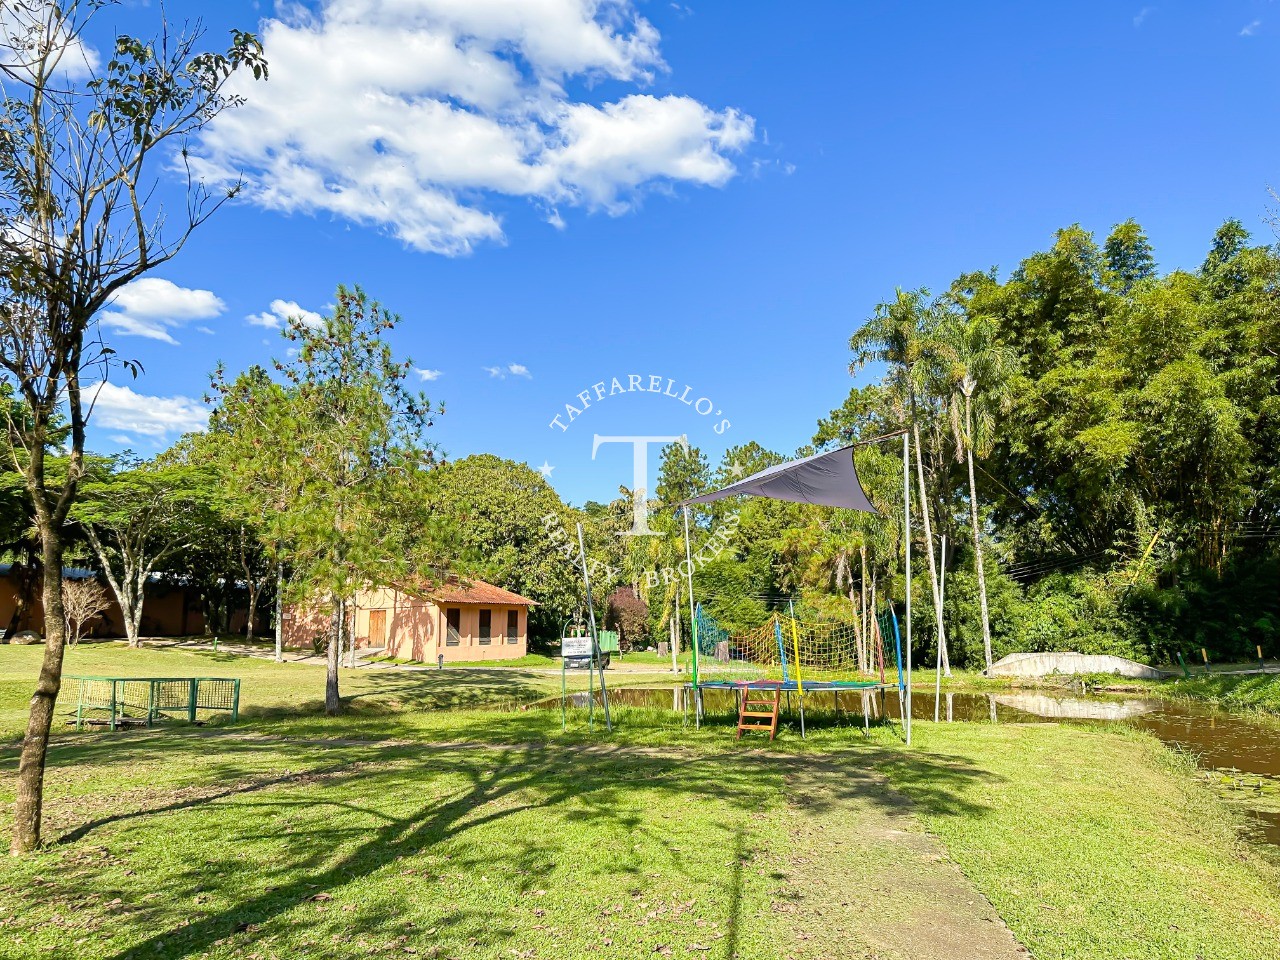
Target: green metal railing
{"points": [[145, 700]]}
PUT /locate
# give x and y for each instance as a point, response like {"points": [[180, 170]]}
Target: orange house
{"points": [[461, 620]]}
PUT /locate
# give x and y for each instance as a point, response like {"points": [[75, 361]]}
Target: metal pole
{"points": [[595, 640], [942, 580], [906, 542], [795, 634], [693, 622]]}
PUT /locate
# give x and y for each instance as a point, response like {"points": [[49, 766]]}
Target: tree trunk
{"points": [[12, 626], [29, 798], [133, 619], [874, 621], [279, 611], [977, 538], [132, 608], [933, 562], [331, 701], [24, 572], [253, 610], [255, 585], [859, 640], [127, 597]]}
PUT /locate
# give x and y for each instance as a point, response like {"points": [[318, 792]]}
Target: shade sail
{"points": [[829, 479]]}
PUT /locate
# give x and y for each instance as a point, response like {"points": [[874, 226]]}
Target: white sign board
{"points": [[575, 646]]}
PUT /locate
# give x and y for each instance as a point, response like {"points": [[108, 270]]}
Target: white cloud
{"points": [[119, 408], [427, 375], [1141, 18], [514, 369], [1249, 29], [406, 114], [151, 307], [280, 311], [22, 38]]}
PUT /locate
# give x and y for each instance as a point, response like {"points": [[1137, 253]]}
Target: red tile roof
{"points": [[456, 590]]}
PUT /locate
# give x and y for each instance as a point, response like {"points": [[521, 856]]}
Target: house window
{"points": [[453, 628], [513, 626], [486, 627]]}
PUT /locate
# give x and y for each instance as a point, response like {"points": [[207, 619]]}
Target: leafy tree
{"points": [[866, 413], [255, 485], [628, 614], [1104, 437], [19, 542], [974, 359], [902, 334], [226, 561], [81, 217], [136, 516], [682, 473], [1223, 269], [507, 518], [1129, 257], [335, 454]]}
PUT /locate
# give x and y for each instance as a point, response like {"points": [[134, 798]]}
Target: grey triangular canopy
{"points": [[829, 479]]}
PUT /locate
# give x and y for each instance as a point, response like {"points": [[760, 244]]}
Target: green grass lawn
{"points": [[1093, 844], [268, 688], [1248, 692], [434, 818]]}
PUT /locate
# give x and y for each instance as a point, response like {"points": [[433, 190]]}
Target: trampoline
{"points": [[807, 655], [823, 479]]}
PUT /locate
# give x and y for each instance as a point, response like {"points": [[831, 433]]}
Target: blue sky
{"points": [[712, 193]]}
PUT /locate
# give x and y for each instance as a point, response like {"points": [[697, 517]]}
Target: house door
{"points": [[377, 628]]}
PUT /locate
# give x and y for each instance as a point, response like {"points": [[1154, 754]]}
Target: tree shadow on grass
{"points": [[392, 691], [426, 795]]}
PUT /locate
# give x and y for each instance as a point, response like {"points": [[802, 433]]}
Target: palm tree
{"points": [[974, 358], [902, 335]]}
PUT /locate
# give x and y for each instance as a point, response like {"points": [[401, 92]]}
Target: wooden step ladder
{"points": [[750, 712]]}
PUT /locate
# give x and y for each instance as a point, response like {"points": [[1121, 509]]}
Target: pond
{"points": [[1238, 755]]}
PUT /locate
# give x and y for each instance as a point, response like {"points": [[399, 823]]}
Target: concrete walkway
{"points": [[867, 881]]}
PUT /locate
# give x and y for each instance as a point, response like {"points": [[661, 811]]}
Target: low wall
{"points": [[1043, 664]]}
